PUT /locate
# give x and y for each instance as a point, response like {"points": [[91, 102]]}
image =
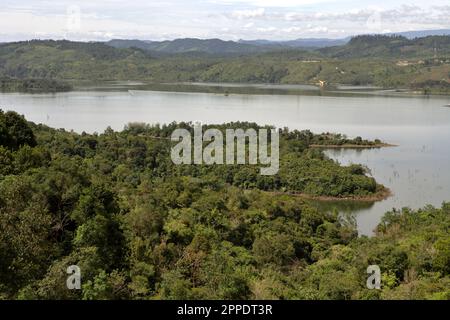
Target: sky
{"points": [[101, 20]]}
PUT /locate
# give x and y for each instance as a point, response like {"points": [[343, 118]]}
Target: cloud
{"points": [[248, 14], [439, 14], [227, 19], [268, 29], [274, 3]]}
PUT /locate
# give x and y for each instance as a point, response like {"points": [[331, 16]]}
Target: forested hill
{"points": [[383, 46], [217, 46], [385, 61], [69, 60], [375, 46], [209, 46]]}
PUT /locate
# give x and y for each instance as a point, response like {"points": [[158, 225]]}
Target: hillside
{"points": [[209, 46], [217, 46], [125, 43], [69, 60], [394, 46], [386, 61], [423, 33], [311, 43]]}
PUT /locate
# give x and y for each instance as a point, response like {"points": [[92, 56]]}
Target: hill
{"points": [[423, 33], [217, 46], [381, 60], [391, 46], [69, 60], [125, 43], [209, 46], [311, 43]]}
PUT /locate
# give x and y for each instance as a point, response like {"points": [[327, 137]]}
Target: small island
{"points": [[339, 141]]}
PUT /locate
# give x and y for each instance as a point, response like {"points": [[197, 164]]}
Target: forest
{"points": [[140, 227], [392, 62]]}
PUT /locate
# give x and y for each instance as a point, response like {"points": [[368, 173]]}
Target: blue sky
{"points": [[225, 19]]}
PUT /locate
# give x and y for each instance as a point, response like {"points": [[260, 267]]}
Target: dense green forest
{"points": [[140, 227], [421, 64]]}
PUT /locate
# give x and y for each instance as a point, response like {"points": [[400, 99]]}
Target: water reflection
{"points": [[342, 206]]}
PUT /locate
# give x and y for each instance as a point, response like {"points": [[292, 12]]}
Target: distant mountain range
{"points": [[242, 47], [209, 46], [299, 43], [422, 33], [390, 46]]}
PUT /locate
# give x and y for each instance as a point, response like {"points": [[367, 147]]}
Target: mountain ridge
{"points": [[185, 45], [227, 47]]}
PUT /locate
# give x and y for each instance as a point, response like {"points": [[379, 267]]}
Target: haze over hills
{"points": [[300, 43], [422, 33], [221, 47], [390, 46], [218, 46], [209, 46]]}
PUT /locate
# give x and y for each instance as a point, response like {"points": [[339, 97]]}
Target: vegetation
{"points": [[390, 46], [33, 85], [187, 45], [385, 61], [337, 139], [141, 228]]}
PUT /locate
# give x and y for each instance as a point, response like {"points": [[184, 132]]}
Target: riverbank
{"points": [[352, 146], [33, 85], [382, 194]]}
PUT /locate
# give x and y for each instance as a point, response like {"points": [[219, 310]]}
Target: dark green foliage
{"points": [[15, 131], [141, 228]]}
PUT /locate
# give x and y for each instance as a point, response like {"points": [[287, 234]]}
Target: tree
{"points": [[15, 131]]}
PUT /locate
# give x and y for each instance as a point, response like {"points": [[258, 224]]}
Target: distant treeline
{"points": [[33, 85]]}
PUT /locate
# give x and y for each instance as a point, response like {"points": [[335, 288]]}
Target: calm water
{"points": [[417, 171]]}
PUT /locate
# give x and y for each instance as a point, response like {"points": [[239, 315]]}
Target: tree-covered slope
{"points": [[191, 45], [391, 46], [138, 228], [69, 60]]}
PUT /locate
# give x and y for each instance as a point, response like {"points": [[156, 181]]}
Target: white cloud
{"points": [[248, 14], [268, 29], [274, 3], [276, 20]]}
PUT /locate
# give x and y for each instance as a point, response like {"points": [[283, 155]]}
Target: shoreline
{"points": [[380, 195], [352, 146]]}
